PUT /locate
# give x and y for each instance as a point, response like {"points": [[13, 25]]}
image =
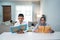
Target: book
{"points": [[17, 28], [44, 29]]}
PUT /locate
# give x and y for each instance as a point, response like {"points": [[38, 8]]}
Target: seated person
{"points": [[42, 26], [19, 22]]}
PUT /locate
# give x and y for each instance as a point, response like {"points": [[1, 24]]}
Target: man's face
{"points": [[20, 19], [42, 21]]}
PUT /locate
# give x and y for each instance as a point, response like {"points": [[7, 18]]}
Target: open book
{"points": [[43, 29], [17, 28]]}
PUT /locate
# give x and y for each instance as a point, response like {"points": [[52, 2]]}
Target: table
{"points": [[30, 36]]}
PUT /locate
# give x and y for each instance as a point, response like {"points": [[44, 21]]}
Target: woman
{"points": [[42, 22]]}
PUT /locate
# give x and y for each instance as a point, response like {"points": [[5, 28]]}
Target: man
{"points": [[42, 22], [21, 22]]}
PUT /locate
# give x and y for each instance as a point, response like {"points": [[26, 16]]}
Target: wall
{"points": [[51, 8], [12, 10], [36, 10], [5, 28], [36, 6]]}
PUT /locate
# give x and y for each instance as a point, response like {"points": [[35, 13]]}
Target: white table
{"points": [[30, 36]]}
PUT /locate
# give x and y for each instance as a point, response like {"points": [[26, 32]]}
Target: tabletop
{"points": [[30, 36]]}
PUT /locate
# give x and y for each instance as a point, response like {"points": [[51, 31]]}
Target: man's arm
{"points": [[26, 27]]}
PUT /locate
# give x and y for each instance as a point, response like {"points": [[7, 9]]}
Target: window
{"points": [[26, 10]]}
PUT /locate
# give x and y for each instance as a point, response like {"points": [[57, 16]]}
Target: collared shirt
{"points": [[18, 23]]}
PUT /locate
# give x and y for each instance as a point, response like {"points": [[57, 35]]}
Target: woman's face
{"points": [[42, 21]]}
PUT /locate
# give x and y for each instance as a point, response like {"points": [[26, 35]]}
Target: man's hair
{"points": [[20, 15], [43, 17]]}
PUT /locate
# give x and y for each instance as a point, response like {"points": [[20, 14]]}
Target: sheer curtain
{"points": [[26, 10]]}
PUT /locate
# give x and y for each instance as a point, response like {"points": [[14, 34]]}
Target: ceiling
{"points": [[19, 0]]}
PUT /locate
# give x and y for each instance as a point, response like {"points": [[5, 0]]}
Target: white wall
{"points": [[51, 8], [12, 10], [36, 10], [36, 6]]}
